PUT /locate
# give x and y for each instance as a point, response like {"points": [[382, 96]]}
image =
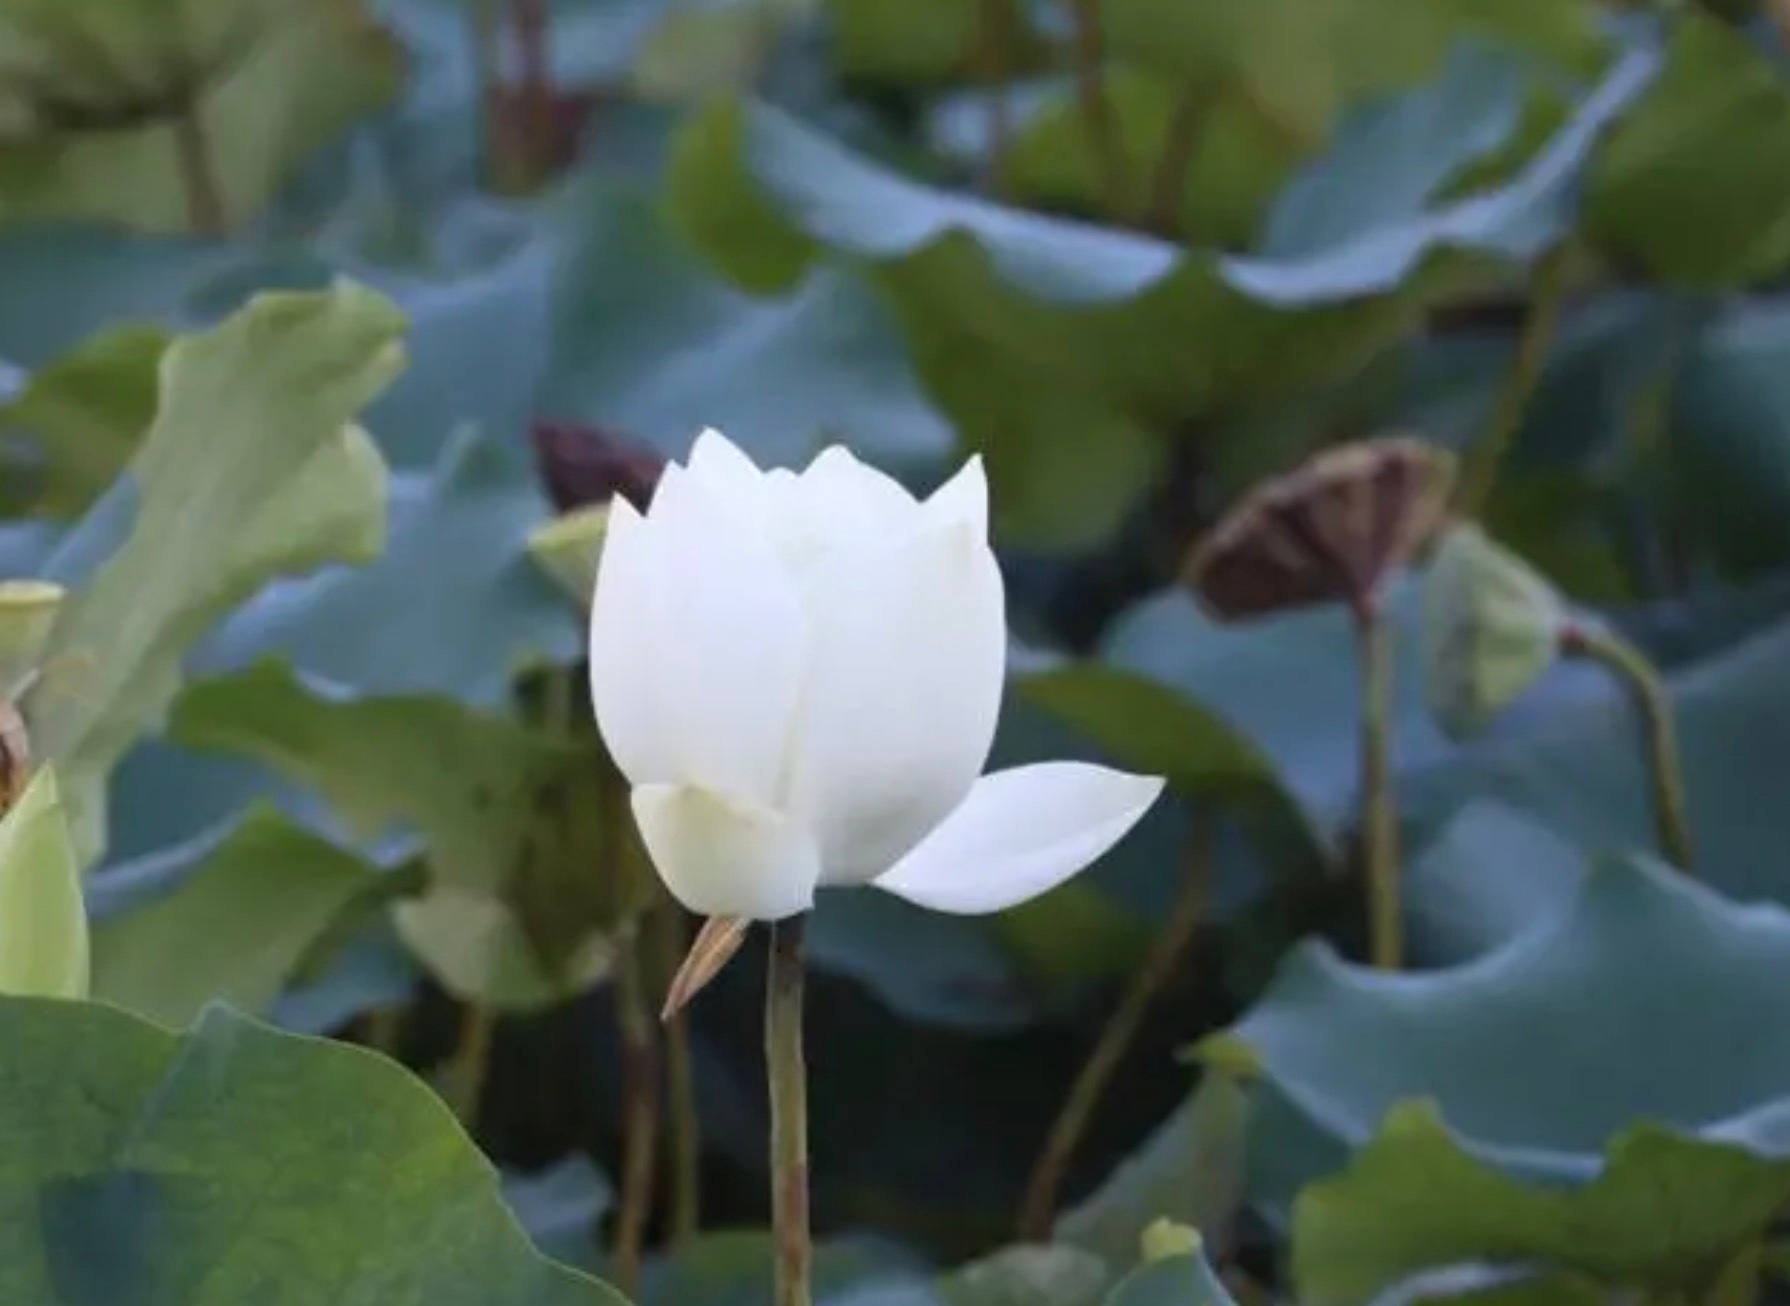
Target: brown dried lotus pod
{"points": [[583, 464], [1331, 530]]}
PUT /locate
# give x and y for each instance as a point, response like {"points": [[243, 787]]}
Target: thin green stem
{"points": [[1168, 181], [680, 1086], [992, 59], [1039, 1208], [198, 172], [1379, 809], [1653, 704], [1104, 138], [471, 1062], [383, 1029], [1539, 326], [787, 1077]]}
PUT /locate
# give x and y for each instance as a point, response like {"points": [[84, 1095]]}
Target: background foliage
{"points": [[289, 289]]}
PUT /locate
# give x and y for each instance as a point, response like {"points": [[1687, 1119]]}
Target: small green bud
{"points": [[568, 547], [1491, 628], [28, 611], [1165, 1239]]}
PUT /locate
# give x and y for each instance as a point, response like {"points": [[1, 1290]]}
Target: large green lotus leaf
{"points": [[1720, 112], [508, 917], [1236, 158], [1029, 1276], [463, 779], [561, 1208], [1579, 769], [288, 487], [1045, 339], [83, 416], [733, 1267], [287, 81], [649, 341], [931, 968], [1302, 61], [44, 944], [1174, 1281], [1665, 1215], [1389, 158], [1146, 726], [1641, 1002], [1730, 435], [1285, 686], [371, 971], [595, 42], [477, 344], [933, 41], [247, 908], [1392, 157], [1489, 873], [1190, 1170], [454, 605], [234, 1163]]}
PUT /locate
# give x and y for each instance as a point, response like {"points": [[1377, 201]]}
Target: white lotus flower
{"points": [[799, 675]]}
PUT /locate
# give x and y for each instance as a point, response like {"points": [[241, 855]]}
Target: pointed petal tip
{"points": [[964, 497]]}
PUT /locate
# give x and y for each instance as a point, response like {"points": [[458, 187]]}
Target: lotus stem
{"points": [[1653, 705], [1539, 326], [1104, 139], [1168, 182], [382, 1029], [1038, 1211], [206, 214], [472, 1060], [639, 1048], [640, 1114], [532, 38], [487, 59], [1379, 810], [787, 1076], [992, 58], [680, 1087]]}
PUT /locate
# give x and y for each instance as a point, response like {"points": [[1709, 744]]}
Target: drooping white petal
{"points": [[723, 857], [623, 664], [728, 644], [963, 498], [1020, 833], [907, 654], [726, 471]]}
